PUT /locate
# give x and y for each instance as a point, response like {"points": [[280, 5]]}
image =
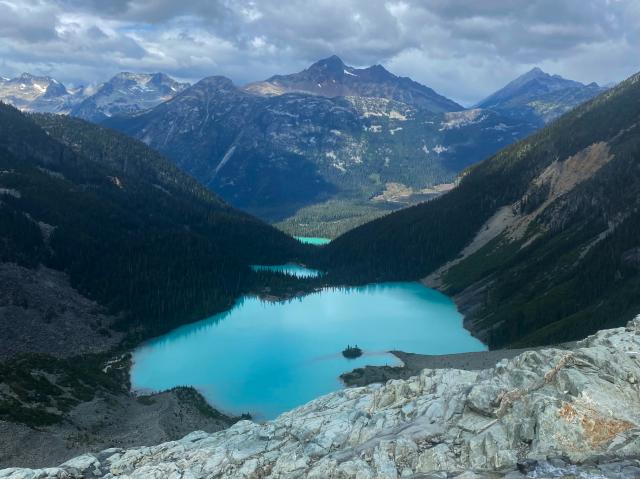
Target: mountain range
{"points": [[330, 77], [125, 93], [38, 93], [362, 137], [248, 148], [380, 134]]}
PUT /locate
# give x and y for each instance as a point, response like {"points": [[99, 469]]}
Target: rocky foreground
{"points": [[544, 413]]}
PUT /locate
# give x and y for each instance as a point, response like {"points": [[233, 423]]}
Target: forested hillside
{"points": [[549, 224], [128, 228]]}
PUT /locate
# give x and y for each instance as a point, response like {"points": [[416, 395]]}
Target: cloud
{"points": [[27, 23], [463, 48]]}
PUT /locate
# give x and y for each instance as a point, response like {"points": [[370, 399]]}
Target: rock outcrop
{"points": [[544, 413]]}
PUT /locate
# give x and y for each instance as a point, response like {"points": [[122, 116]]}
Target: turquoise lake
{"points": [[268, 357], [313, 240], [290, 269]]}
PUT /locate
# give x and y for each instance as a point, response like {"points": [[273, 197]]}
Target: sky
{"points": [[464, 49]]}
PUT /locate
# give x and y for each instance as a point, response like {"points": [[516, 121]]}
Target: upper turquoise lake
{"points": [[313, 240], [290, 269], [268, 357]]}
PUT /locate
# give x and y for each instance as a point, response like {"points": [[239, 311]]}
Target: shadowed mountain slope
{"points": [[538, 243]]}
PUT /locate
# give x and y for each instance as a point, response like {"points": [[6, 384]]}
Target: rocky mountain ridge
{"points": [[38, 93], [124, 93], [127, 93], [541, 96], [358, 135], [330, 77], [354, 135], [544, 413], [247, 147]]}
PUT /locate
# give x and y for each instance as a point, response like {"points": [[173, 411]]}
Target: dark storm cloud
{"points": [[147, 10], [26, 24], [462, 48]]}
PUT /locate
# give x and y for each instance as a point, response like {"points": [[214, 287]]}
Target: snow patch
{"points": [[53, 174], [346, 72], [224, 160], [440, 149], [458, 119], [161, 188], [396, 115], [46, 230], [10, 192], [116, 181], [394, 130]]}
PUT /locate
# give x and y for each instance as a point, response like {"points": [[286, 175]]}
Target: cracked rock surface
{"points": [[512, 420]]}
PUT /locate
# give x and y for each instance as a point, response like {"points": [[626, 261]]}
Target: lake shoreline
{"points": [[312, 329], [167, 414], [413, 364], [112, 418]]}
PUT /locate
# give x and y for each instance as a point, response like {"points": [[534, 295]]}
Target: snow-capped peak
{"points": [[36, 93], [127, 93]]}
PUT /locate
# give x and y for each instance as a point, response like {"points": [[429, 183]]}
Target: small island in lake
{"points": [[352, 352]]}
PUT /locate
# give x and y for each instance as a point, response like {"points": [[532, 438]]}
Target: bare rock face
{"points": [[513, 420]]}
